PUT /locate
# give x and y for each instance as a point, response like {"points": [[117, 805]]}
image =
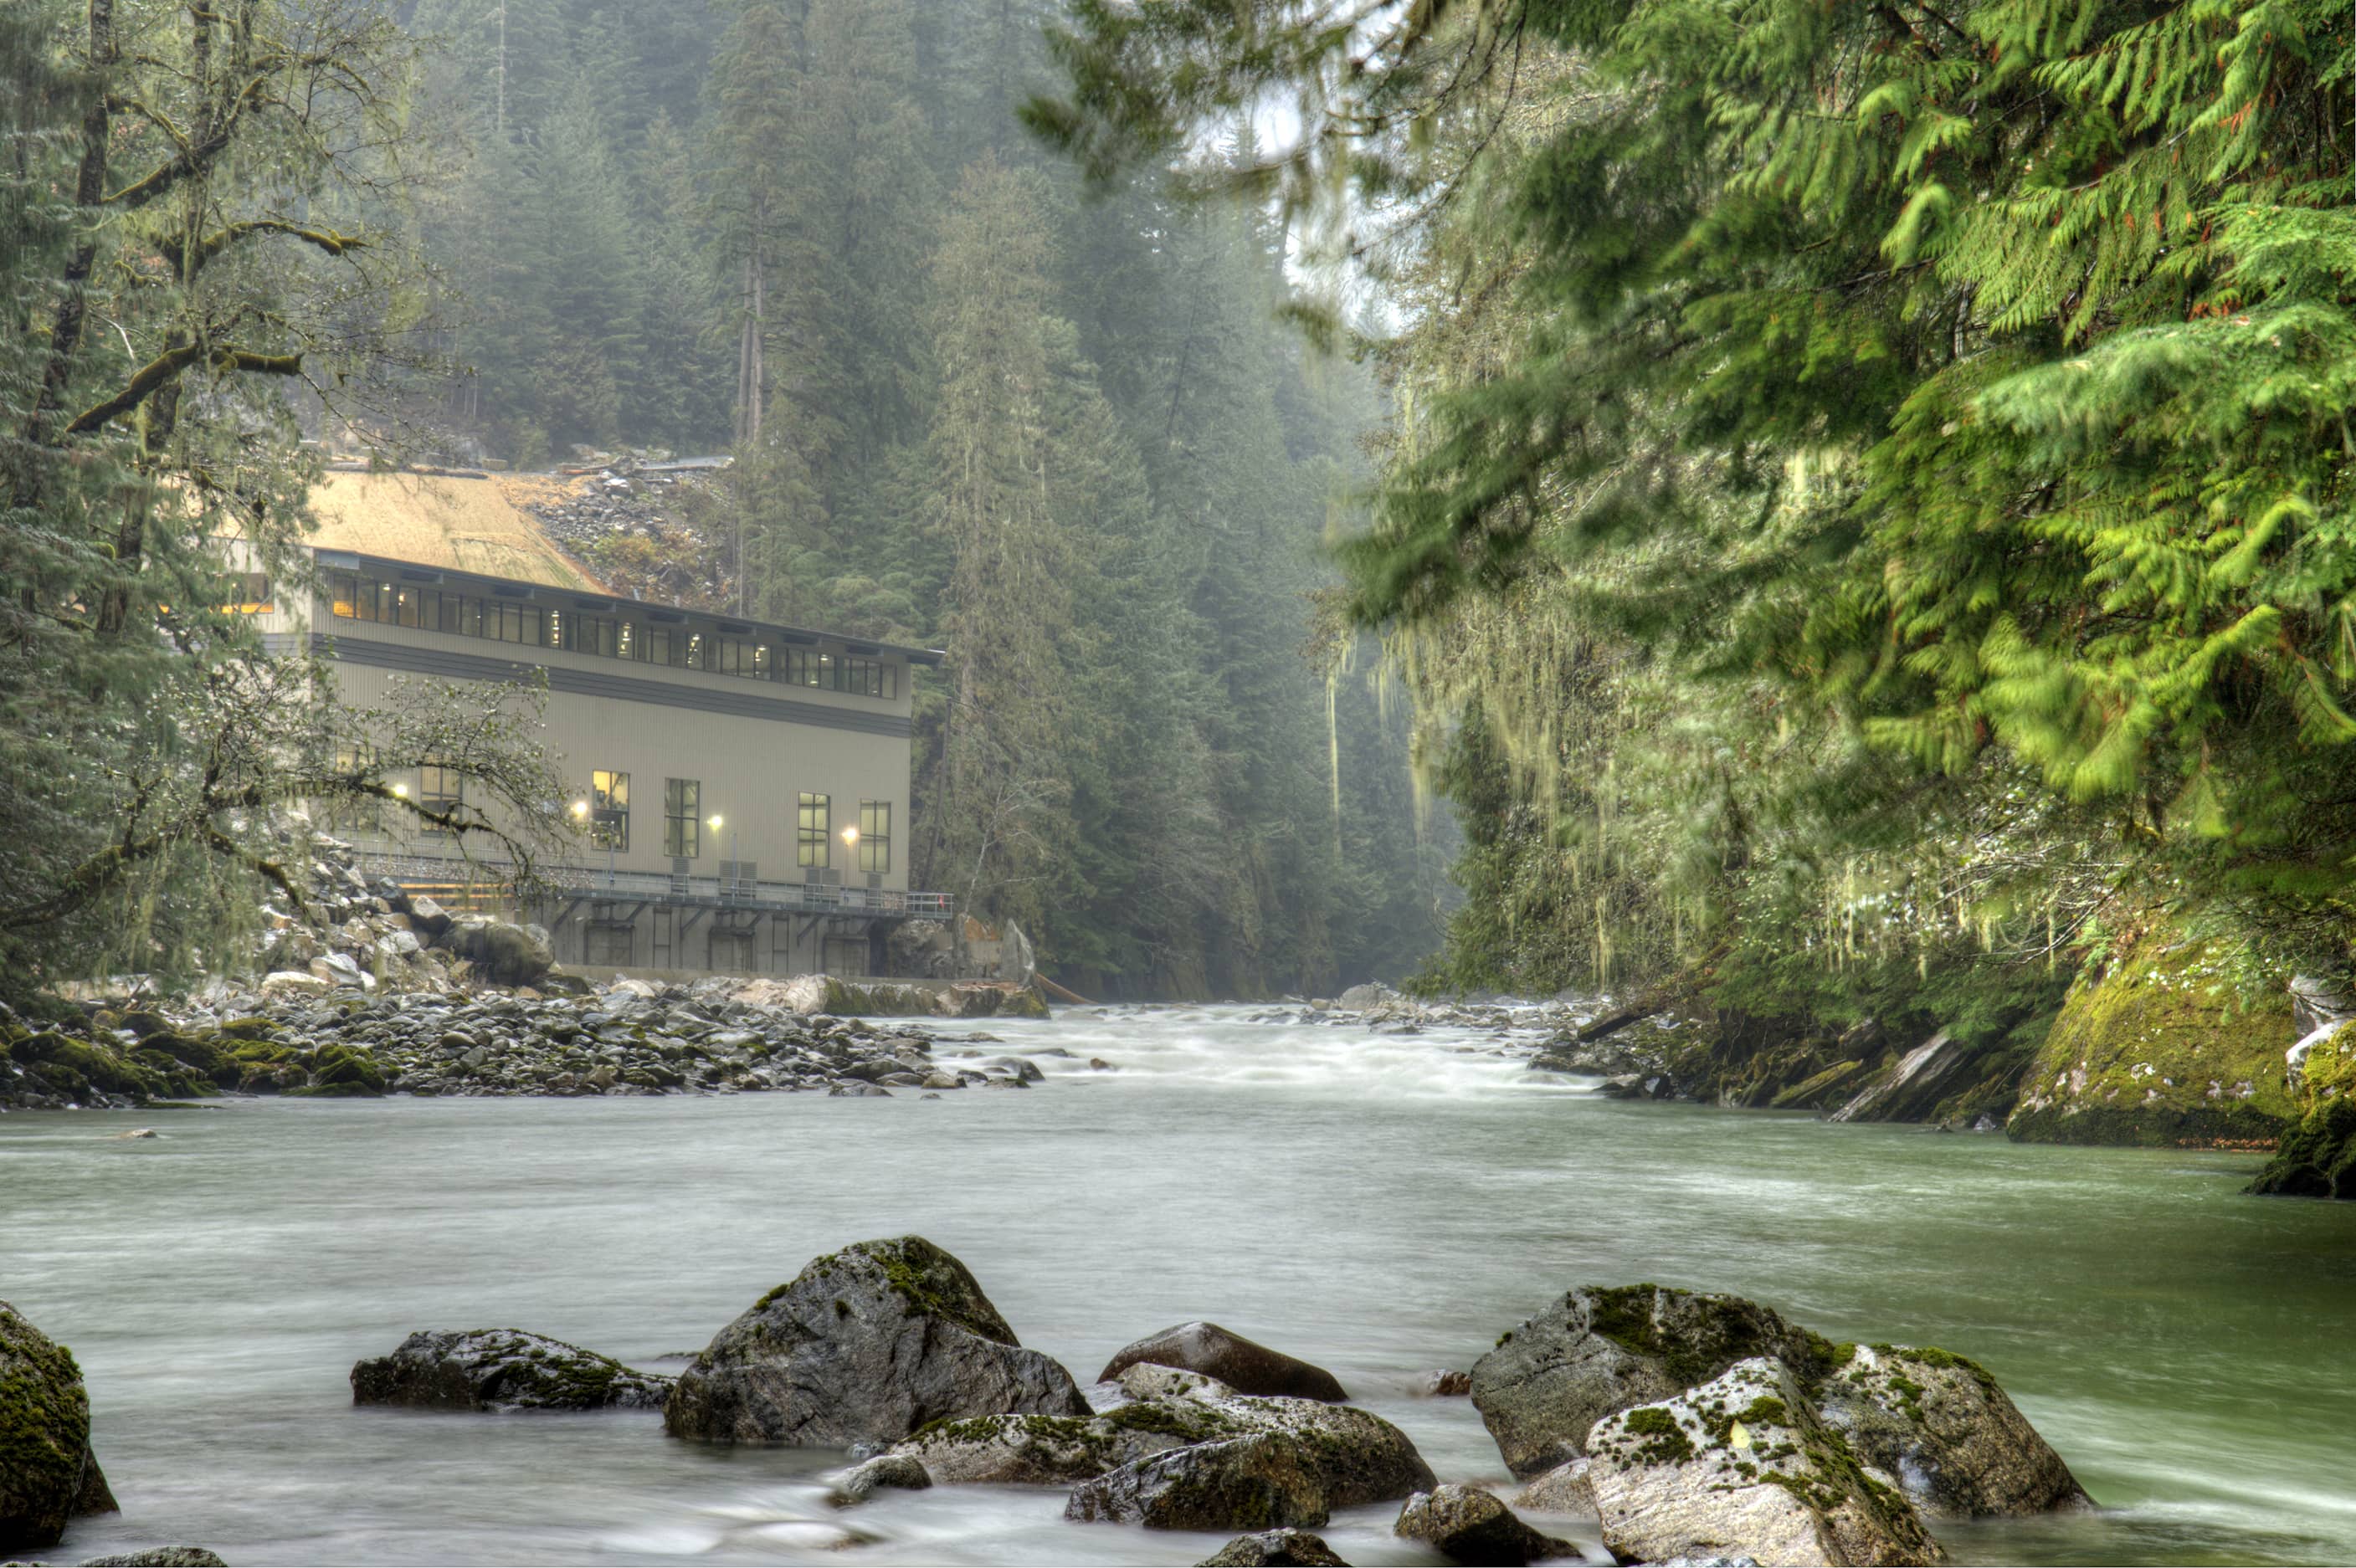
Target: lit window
{"points": [[874, 834], [441, 792], [609, 810], [813, 847], [682, 818]]}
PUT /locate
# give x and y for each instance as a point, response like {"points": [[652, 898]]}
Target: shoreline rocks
{"points": [[866, 1345], [48, 1474], [631, 1037], [502, 1369]]}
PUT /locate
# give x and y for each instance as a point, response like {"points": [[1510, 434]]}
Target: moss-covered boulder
{"points": [[1353, 1455], [1602, 1348], [200, 1054], [1940, 1424], [866, 1345], [48, 1474], [2164, 1047], [347, 1068], [73, 1067], [1744, 1466], [2316, 1156], [500, 1369]]}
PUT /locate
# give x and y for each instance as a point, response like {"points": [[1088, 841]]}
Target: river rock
{"points": [[1744, 1463], [1446, 1384], [1467, 1524], [1242, 1364], [501, 1370], [1952, 1438], [865, 1345], [1563, 1489], [158, 1557], [503, 953], [47, 1473], [1356, 1455], [885, 1471], [1260, 1482], [1600, 1349], [1275, 1549]]}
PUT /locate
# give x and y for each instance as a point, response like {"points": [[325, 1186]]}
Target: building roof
{"points": [[475, 525], [447, 521]]}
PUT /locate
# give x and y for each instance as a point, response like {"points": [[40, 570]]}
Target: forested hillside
{"points": [[1065, 438], [1869, 516]]}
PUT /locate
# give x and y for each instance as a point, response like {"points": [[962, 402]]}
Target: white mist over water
{"points": [[1381, 1204]]}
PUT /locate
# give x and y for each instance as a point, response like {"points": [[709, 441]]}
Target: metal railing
{"points": [[469, 883]]}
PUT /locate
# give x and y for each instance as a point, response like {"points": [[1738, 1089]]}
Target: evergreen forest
{"points": [[1864, 526], [1062, 433]]}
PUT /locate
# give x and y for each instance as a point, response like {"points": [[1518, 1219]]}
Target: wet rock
{"points": [[866, 1345], [1466, 1524], [1354, 1455], [1261, 1482], [158, 1557], [506, 954], [1275, 1549], [1957, 1444], [1605, 1349], [47, 1473], [500, 1369], [1446, 1385], [1242, 1364], [1744, 1463], [885, 1471], [1563, 1489]]}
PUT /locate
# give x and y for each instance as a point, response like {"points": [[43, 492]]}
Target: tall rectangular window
{"points": [[441, 790], [682, 817], [813, 844], [609, 810], [874, 834]]}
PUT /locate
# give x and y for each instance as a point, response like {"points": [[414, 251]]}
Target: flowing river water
{"points": [[1384, 1205]]}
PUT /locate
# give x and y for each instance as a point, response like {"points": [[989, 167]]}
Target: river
{"points": [[1382, 1205]]}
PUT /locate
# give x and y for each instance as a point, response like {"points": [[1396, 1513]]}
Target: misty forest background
{"points": [[1065, 435]]}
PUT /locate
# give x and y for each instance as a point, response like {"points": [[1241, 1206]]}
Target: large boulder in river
{"points": [[865, 1345], [1466, 1524], [1354, 1455], [1744, 1465], [48, 1474], [502, 1369], [1957, 1444], [1242, 1364], [1605, 1349]]}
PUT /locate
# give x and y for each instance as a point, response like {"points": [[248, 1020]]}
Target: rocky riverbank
{"points": [[716, 1036], [2166, 1044]]}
